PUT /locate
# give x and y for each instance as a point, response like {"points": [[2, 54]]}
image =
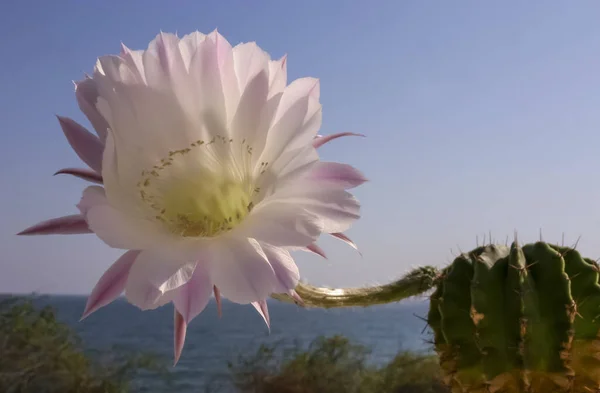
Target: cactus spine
{"points": [[505, 319]]}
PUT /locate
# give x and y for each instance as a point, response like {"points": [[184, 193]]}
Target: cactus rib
{"points": [[504, 319]]}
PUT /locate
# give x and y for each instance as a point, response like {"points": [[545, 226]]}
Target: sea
{"points": [[212, 342]]}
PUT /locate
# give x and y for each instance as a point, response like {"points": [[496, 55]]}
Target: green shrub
{"points": [[39, 354], [407, 373], [333, 365]]}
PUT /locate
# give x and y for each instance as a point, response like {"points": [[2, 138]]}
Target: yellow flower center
{"points": [[204, 204]]}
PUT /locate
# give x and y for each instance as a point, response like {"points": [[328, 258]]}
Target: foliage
{"points": [[39, 354], [333, 365]]}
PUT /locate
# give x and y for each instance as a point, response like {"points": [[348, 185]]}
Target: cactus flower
{"points": [[207, 175]]}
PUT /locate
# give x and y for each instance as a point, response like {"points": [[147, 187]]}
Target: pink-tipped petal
{"points": [[180, 329], [346, 240], [296, 121], [111, 284], [86, 93], [282, 225], [242, 271], [85, 174], [335, 208], [192, 297], [162, 61], [277, 75], [297, 299], [87, 145], [249, 59], [116, 228], [155, 279], [315, 91], [205, 71], [188, 45], [245, 123], [134, 60], [284, 266], [263, 310], [67, 225], [316, 249], [92, 196], [218, 301], [337, 175], [321, 140], [231, 91]]}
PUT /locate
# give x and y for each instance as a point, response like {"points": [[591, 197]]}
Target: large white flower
{"points": [[210, 175]]}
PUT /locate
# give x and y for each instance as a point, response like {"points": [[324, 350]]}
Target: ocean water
{"points": [[211, 341]]}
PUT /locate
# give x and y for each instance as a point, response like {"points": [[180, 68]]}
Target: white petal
{"points": [[298, 91], [166, 70], [135, 61], [249, 60], [120, 175], [211, 89], [138, 140], [285, 268], [297, 120], [190, 299], [92, 196], [242, 272], [179, 278], [128, 231], [115, 69], [246, 122], [116, 229], [188, 46], [231, 91], [113, 175], [152, 276], [87, 98], [277, 75], [260, 136], [163, 63], [149, 123], [290, 167], [337, 209], [206, 77], [281, 224], [125, 211]]}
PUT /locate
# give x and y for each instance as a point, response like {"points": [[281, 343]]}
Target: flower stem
{"points": [[414, 283]]}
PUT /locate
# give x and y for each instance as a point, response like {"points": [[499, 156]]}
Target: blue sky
{"points": [[480, 116]]}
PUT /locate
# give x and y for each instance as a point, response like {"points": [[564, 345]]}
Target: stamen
{"points": [[206, 203]]}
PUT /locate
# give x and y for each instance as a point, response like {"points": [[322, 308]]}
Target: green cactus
{"points": [[504, 319]]}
